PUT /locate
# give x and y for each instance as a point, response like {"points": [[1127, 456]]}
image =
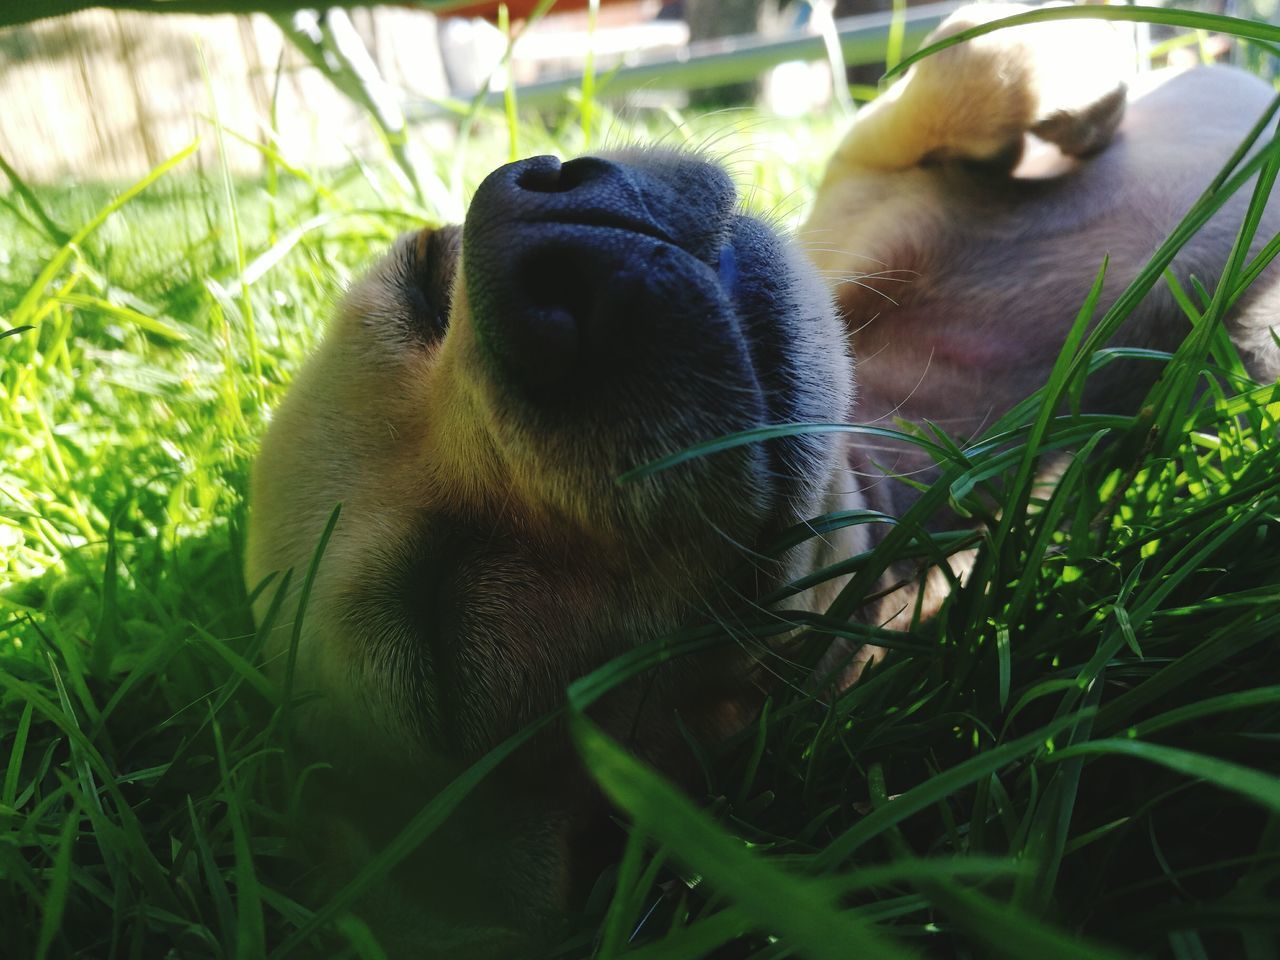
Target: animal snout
{"points": [[573, 270]]}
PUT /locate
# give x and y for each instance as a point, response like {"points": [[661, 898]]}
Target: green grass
{"points": [[1077, 757]]}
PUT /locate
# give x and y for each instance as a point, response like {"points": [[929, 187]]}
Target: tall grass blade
{"points": [[799, 909]]}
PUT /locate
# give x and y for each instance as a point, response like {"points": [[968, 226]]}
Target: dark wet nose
{"points": [[567, 264]]}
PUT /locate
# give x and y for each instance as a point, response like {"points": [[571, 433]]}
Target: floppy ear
{"points": [[1062, 81]]}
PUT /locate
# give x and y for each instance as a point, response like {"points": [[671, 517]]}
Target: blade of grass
{"points": [[797, 908], [250, 926], [217, 884], [56, 234], [1227, 702], [1263, 788], [55, 898], [237, 236], [934, 790], [1236, 27], [27, 305], [587, 102], [304, 599]]}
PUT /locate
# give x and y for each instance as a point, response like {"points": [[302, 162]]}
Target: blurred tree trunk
{"points": [[710, 19]]}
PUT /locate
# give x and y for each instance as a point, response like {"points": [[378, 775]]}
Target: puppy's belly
{"points": [[946, 363]]}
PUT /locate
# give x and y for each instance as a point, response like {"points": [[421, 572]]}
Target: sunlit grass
{"points": [[1078, 756], [153, 327]]}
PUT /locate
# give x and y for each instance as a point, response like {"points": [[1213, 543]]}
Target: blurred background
{"points": [[106, 93]]}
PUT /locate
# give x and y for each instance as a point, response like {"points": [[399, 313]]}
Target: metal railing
{"points": [[711, 63]]}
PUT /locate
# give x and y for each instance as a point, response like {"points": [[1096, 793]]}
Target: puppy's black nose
{"points": [[566, 264]]}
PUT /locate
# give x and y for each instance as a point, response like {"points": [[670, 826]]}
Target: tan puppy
{"points": [[482, 389]]}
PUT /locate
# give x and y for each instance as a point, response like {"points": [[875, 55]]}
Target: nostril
{"points": [[540, 175], [551, 176], [583, 170]]}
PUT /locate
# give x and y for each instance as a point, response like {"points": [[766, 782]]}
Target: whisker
{"points": [[901, 403]]}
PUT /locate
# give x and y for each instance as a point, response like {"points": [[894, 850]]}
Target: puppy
{"points": [[471, 408], [482, 389]]}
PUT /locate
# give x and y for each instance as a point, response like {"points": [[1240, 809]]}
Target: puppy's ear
{"points": [[1063, 81], [1086, 128]]}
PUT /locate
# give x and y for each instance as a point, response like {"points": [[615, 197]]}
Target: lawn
{"points": [[1078, 757]]}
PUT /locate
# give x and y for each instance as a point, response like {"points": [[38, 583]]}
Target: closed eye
{"points": [[432, 263]]}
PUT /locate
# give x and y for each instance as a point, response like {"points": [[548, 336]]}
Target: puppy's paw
{"points": [[1064, 81], [1087, 129]]}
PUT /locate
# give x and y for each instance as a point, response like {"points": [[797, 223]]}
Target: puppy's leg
{"points": [[1063, 81]]}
